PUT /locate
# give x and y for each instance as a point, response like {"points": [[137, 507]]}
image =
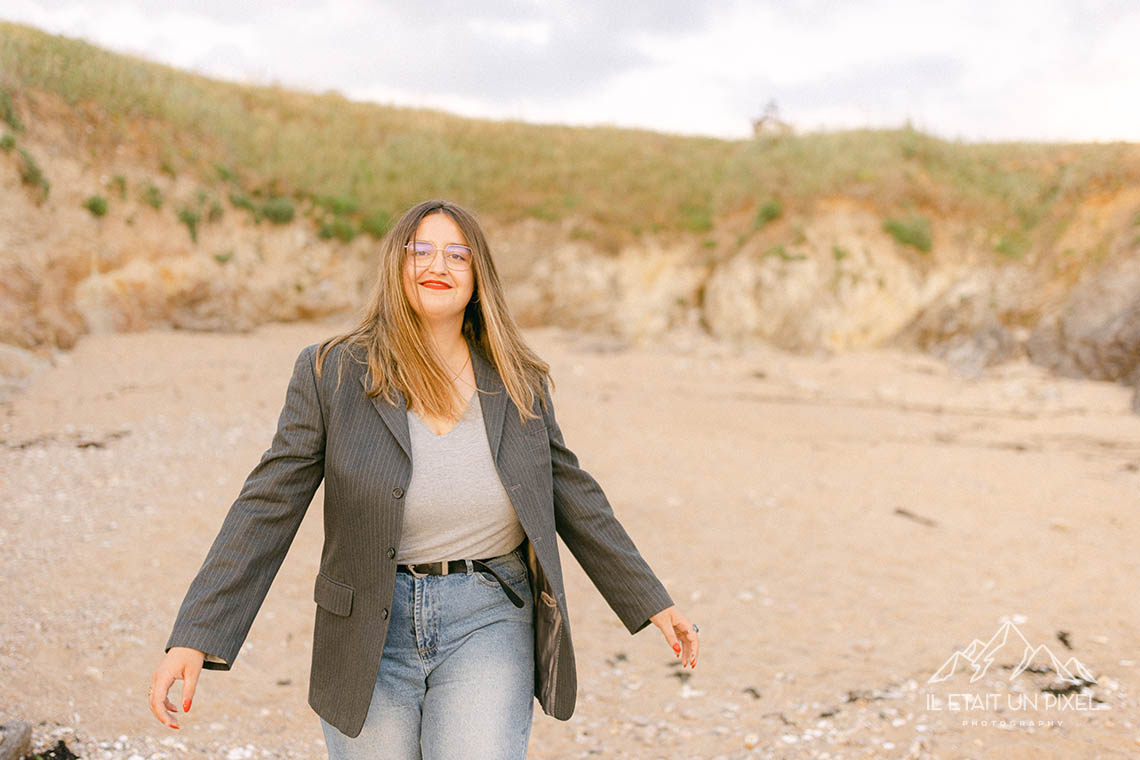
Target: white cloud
{"points": [[978, 69], [497, 30]]}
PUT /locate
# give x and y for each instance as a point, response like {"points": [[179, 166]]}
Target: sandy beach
{"points": [[839, 526]]}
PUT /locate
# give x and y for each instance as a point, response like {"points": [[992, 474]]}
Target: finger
{"points": [[159, 688], [155, 695], [689, 638], [696, 648], [189, 683], [671, 638], [682, 627]]}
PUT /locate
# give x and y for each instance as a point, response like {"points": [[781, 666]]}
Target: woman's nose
{"points": [[442, 265]]}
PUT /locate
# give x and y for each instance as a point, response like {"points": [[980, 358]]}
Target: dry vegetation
{"points": [[358, 163]]}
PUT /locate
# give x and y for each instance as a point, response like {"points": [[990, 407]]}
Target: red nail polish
{"points": [[186, 706], [677, 648]]}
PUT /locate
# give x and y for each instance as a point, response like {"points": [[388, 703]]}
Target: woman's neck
{"points": [[451, 345]]}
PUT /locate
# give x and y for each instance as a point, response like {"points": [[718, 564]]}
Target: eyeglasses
{"points": [[455, 257]]}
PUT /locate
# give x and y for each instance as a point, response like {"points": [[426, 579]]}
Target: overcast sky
{"points": [[969, 69]]}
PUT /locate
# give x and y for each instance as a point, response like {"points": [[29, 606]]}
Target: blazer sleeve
{"points": [[225, 595], [585, 520]]}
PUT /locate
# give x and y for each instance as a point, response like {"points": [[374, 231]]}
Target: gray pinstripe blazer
{"points": [[361, 448]]}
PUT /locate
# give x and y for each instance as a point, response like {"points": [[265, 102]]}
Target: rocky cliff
{"points": [[99, 232]]}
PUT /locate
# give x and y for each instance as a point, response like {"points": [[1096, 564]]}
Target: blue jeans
{"points": [[456, 676]]}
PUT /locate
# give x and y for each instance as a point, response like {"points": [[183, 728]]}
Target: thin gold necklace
{"points": [[460, 372]]}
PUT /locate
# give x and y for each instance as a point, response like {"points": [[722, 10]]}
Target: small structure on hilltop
{"points": [[769, 124]]}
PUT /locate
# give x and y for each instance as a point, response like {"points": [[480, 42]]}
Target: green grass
{"points": [[225, 173], [1013, 245], [152, 196], [278, 210], [190, 217], [338, 228], [337, 205], [241, 200], [376, 224], [97, 205], [621, 183], [696, 217], [769, 211], [781, 252], [913, 231], [7, 142], [8, 112], [33, 176]]}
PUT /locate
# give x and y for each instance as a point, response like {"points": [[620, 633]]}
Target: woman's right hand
{"points": [[180, 662]]}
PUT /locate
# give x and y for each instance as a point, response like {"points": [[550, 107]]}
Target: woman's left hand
{"points": [[679, 634]]}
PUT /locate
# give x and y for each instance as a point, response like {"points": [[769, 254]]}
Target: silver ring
{"points": [[696, 628]]}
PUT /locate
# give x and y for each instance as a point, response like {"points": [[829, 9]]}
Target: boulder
{"points": [[965, 325], [1096, 332], [15, 740], [18, 367]]}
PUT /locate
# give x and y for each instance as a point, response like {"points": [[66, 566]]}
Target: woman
{"points": [[440, 604]]}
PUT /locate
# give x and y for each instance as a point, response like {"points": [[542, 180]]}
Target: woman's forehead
{"points": [[438, 228]]}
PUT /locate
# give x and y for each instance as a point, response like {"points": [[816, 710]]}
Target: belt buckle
{"points": [[412, 570]]}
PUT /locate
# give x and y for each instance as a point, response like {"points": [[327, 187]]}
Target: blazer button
{"points": [[391, 552], [384, 613], [397, 492]]}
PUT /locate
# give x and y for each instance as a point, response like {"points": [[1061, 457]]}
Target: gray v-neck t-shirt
{"points": [[455, 506]]}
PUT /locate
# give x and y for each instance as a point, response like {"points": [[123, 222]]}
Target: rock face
{"points": [[637, 293], [837, 281], [1096, 331], [828, 277], [964, 325], [18, 367], [15, 740], [198, 293]]}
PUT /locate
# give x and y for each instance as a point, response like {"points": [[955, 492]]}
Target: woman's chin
{"points": [[441, 316]]}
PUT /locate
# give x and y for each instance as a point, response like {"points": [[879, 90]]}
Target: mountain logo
{"points": [[1009, 644]]}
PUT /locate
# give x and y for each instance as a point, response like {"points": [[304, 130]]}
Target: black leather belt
{"points": [[420, 569]]}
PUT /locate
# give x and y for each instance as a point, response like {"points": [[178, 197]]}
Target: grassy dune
{"points": [[614, 184]]}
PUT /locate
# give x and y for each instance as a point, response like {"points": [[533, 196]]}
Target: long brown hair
{"points": [[389, 329]]}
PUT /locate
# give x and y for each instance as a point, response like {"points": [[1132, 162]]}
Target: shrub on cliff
{"points": [[96, 204], [278, 210], [914, 231]]}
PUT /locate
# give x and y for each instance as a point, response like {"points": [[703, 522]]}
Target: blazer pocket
{"points": [[334, 596]]}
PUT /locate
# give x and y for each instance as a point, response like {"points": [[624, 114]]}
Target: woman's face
{"points": [[437, 293]]}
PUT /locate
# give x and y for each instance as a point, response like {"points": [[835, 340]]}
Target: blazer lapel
{"points": [[395, 415], [493, 400], [493, 397]]}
